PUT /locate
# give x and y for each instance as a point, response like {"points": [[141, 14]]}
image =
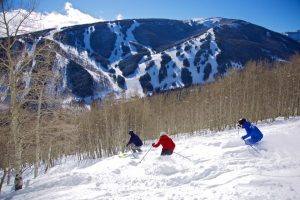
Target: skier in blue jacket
{"points": [[135, 141], [252, 131]]}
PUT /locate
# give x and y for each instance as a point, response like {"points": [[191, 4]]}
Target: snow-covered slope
{"points": [[144, 56], [217, 166]]}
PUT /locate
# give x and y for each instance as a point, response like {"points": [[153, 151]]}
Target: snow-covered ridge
{"points": [[212, 21], [294, 35], [216, 166], [144, 56]]}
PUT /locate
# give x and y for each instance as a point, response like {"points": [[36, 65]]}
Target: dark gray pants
{"points": [[166, 152], [136, 149]]}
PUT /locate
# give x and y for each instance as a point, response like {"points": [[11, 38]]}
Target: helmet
{"points": [[242, 121], [130, 132], [162, 133]]}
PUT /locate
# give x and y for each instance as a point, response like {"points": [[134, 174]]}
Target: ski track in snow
{"points": [[220, 167]]}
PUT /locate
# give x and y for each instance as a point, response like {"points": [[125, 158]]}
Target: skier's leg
{"points": [[248, 141], [139, 149], [252, 141], [133, 148], [164, 152], [169, 151]]}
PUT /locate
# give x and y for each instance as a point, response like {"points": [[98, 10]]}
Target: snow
{"points": [[134, 87], [116, 28], [87, 38], [94, 67], [130, 37], [213, 59], [212, 21], [40, 21], [154, 71], [61, 64], [217, 165], [197, 74], [132, 82]]}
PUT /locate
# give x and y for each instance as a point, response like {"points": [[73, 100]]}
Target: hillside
{"points": [[219, 166], [144, 56], [294, 35]]}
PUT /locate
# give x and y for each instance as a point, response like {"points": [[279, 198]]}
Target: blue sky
{"points": [[277, 15]]}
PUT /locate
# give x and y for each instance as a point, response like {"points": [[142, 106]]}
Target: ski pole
{"points": [[252, 147], [145, 154], [183, 156]]}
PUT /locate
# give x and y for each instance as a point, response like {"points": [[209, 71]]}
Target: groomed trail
{"points": [[219, 166]]}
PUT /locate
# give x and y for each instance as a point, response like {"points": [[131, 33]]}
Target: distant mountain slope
{"points": [[148, 55], [294, 35]]}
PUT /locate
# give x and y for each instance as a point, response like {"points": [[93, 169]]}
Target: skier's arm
{"points": [[129, 142], [157, 144], [246, 136]]}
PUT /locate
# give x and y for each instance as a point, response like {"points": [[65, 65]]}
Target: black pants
{"points": [[166, 152], [136, 149]]}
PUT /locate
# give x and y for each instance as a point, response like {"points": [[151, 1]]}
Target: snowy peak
{"points": [[143, 56]]}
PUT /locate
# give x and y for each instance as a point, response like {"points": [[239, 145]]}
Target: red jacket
{"points": [[165, 142]]}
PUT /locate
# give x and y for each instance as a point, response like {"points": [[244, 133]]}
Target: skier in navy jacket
{"points": [[136, 141], [252, 131]]}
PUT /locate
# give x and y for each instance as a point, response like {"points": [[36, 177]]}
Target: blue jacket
{"points": [[252, 131], [135, 140]]}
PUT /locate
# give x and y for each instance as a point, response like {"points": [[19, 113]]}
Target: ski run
{"points": [[205, 165]]}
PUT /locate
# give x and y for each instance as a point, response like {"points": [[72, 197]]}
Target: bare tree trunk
{"points": [[48, 165], [37, 135], [2, 179], [8, 176], [14, 126]]}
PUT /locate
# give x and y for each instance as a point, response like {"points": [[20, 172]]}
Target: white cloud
{"points": [[119, 17], [73, 16], [40, 21]]}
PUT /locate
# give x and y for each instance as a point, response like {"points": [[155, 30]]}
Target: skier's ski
{"points": [[123, 155]]}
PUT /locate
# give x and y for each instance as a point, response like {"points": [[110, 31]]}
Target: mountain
{"points": [[294, 35], [215, 166], [143, 56]]}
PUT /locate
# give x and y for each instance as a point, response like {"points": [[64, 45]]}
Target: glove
{"points": [[243, 138], [239, 125], [153, 144]]}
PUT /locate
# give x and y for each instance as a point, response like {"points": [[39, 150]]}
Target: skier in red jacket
{"points": [[167, 144]]}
